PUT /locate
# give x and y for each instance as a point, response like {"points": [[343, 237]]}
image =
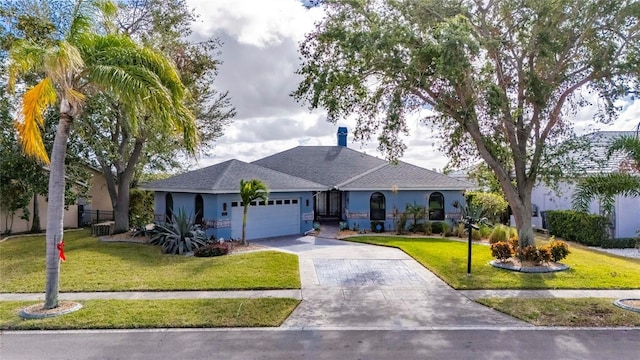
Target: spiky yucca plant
{"points": [[181, 236]]}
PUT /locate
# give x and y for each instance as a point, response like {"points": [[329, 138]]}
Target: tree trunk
{"points": [[520, 202], [121, 207], [35, 224], [244, 224], [55, 210]]}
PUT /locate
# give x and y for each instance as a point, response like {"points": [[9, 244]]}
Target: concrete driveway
{"points": [[358, 286]]}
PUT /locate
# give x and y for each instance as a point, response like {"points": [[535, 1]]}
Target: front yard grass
{"points": [[448, 260], [589, 312], [99, 266], [132, 314]]}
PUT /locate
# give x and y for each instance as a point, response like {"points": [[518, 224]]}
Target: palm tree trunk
{"points": [[244, 224], [55, 210]]}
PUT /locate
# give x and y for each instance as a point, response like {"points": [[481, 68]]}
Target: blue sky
{"points": [[260, 55]]}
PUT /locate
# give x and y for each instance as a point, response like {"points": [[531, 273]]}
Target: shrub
{"points": [[515, 243], [485, 231], [620, 243], [475, 235], [140, 208], [499, 234], [178, 237], [447, 230], [492, 204], [216, 249], [576, 226], [426, 227], [536, 255], [558, 249], [437, 227], [461, 230], [501, 250], [415, 228]]}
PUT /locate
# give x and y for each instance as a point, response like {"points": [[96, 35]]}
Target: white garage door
{"points": [[267, 219]]}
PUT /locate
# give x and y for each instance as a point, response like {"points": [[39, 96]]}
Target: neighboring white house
{"points": [[625, 220]]}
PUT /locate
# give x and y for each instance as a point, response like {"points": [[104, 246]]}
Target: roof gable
{"points": [[225, 178], [327, 165]]}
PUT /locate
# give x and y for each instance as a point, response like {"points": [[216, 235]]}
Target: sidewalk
{"points": [[298, 294], [158, 295]]}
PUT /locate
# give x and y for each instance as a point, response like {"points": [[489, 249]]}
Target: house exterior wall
{"points": [[626, 219], [20, 226], [218, 222], [357, 205], [98, 193]]}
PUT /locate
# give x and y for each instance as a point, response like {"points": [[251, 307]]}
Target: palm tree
{"points": [[251, 190], [606, 186], [82, 62]]}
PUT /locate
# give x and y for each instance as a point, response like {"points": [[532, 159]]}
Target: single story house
{"points": [[625, 221], [307, 184]]}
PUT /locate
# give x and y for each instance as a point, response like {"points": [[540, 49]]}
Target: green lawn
{"points": [[131, 314], [98, 266], [448, 260], [565, 312]]}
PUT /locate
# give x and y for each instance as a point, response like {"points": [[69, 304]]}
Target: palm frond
{"points": [[34, 103], [629, 145], [24, 56], [605, 187]]}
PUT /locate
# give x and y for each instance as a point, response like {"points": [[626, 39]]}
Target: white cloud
{"points": [[259, 23], [260, 57]]}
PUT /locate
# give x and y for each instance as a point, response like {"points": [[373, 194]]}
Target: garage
{"points": [[266, 218]]}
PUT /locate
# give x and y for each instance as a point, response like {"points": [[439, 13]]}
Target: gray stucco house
{"points": [[307, 184]]}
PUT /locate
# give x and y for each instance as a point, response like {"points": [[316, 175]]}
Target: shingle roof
{"points": [[599, 145], [225, 178], [404, 176], [327, 165]]}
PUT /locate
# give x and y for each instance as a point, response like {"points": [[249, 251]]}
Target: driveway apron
{"points": [[361, 286]]}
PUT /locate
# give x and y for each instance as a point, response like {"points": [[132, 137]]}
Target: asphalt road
{"points": [[474, 344]]}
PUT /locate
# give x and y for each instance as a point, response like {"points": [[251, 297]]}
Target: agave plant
{"points": [[180, 236]]}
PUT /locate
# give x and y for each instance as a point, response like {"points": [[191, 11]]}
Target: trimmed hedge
{"points": [[587, 229], [620, 243]]}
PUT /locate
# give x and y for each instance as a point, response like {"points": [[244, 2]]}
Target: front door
{"points": [[328, 204]]}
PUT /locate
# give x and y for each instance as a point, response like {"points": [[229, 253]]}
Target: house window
{"points": [[270, 202], [307, 202], [234, 204], [294, 201], [377, 206], [262, 203], [168, 208], [224, 209], [199, 209], [534, 210], [436, 206], [287, 202], [278, 202]]}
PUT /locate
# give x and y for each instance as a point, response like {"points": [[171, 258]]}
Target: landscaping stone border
{"points": [[554, 267], [37, 311], [619, 303]]}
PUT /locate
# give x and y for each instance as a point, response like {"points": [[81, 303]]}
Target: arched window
{"points": [[436, 206], [377, 206], [199, 209], [168, 208]]}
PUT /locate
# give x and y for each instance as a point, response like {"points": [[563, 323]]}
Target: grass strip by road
{"points": [[93, 265], [589, 312], [133, 314], [448, 260]]}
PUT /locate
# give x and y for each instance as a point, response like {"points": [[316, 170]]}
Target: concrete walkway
{"points": [[364, 286]]}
